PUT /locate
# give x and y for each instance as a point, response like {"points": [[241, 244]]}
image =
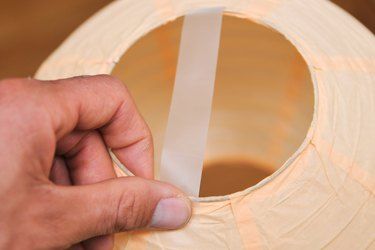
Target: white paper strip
{"points": [[186, 134]]}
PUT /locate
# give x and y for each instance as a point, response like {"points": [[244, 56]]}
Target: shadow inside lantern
{"points": [[229, 176]]}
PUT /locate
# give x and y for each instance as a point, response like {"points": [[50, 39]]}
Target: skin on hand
{"points": [[58, 188]]}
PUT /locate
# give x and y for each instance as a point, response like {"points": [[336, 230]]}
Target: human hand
{"points": [[58, 188]]}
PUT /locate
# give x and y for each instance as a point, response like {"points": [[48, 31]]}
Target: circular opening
{"points": [[262, 106]]}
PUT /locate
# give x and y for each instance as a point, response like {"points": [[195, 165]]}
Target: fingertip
{"points": [[169, 207], [131, 160], [171, 213]]}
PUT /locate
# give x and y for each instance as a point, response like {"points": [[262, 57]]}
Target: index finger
{"points": [[104, 103]]}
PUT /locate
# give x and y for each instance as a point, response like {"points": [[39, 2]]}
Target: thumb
{"points": [[122, 204]]}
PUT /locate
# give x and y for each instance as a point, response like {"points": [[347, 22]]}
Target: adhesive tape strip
{"points": [[186, 134]]}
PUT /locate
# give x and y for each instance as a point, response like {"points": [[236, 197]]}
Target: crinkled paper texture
{"points": [[323, 196]]}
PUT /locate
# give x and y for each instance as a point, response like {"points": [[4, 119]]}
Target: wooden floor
{"points": [[30, 30]]}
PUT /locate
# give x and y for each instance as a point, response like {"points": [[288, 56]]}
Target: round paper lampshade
{"points": [[323, 195]]}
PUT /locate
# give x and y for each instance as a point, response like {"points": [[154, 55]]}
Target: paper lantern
{"points": [[323, 195]]}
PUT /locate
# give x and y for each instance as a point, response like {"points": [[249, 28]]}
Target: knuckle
{"points": [[132, 210], [107, 81], [111, 80], [118, 85], [117, 89], [147, 142]]}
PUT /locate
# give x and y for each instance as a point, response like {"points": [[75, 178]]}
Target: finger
{"points": [[89, 162], [119, 205], [59, 172], [87, 157], [102, 102]]}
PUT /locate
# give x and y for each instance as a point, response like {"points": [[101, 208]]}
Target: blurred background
{"points": [[263, 101], [31, 29]]}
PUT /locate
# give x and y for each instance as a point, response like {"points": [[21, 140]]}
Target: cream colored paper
{"points": [[185, 139], [323, 196]]}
